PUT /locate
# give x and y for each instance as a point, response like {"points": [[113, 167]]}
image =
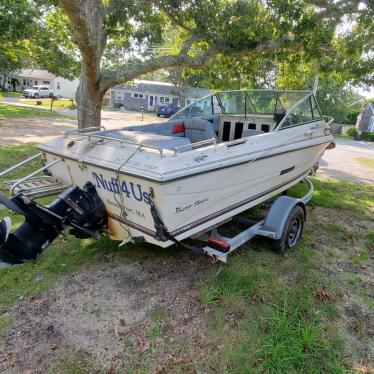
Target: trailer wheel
{"points": [[292, 231]]}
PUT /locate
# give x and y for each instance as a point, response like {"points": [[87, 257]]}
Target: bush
{"points": [[368, 136], [117, 105], [352, 132]]}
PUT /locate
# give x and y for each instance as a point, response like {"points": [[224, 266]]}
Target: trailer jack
{"points": [[80, 209]]}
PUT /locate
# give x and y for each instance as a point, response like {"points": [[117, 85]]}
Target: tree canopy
{"points": [[223, 43]]}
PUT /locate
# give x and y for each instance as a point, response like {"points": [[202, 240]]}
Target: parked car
{"points": [[38, 91], [167, 110]]}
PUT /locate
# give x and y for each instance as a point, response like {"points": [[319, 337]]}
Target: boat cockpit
{"points": [[224, 117]]}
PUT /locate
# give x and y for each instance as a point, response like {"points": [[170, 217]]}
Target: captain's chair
{"points": [[279, 114], [197, 129]]}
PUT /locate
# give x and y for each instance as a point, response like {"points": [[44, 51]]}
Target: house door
{"points": [[151, 103]]}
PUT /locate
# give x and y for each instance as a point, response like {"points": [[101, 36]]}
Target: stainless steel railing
{"points": [[88, 134]]}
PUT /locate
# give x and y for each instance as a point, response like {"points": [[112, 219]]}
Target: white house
{"points": [[148, 94], [31, 77]]}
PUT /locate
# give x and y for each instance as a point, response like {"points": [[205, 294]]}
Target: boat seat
{"points": [[197, 130], [155, 140]]}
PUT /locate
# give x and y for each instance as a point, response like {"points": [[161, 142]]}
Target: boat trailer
{"points": [[85, 214], [284, 224]]}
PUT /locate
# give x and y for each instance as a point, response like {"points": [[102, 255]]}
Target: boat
{"points": [[164, 182]]}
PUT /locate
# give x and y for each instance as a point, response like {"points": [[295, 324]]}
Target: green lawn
{"points": [[9, 94], [343, 137], [13, 111], [266, 313], [366, 161], [62, 103]]}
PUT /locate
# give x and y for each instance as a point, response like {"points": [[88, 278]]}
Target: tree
{"points": [[16, 18], [117, 38], [35, 34]]}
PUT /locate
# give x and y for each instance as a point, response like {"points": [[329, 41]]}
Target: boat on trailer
{"points": [[166, 182]]}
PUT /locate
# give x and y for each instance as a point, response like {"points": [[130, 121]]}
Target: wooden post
{"points": [[142, 110], [52, 100]]}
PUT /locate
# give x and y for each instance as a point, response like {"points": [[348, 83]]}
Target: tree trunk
{"points": [[87, 17], [89, 100]]}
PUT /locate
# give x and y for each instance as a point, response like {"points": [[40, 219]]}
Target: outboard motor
{"points": [[81, 209]]}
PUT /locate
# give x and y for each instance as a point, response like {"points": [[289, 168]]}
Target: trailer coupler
{"points": [[80, 209]]}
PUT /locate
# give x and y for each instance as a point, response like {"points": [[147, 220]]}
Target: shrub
{"points": [[117, 105], [352, 132], [368, 136]]}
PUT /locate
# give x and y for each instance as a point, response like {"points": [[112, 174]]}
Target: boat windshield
{"points": [[257, 102], [243, 103]]}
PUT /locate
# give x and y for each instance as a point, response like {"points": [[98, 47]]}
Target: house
{"points": [[365, 120], [27, 78], [148, 94]]}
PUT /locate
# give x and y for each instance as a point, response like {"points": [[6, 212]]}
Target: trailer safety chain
{"points": [[162, 231]]}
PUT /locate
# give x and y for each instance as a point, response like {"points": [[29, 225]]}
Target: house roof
{"points": [[162, 88], [35, 74]]}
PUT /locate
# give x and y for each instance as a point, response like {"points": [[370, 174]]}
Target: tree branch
{"points": [[132, 69], [338, 8]]}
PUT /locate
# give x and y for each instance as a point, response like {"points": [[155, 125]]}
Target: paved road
{"points": [[342, 162]]}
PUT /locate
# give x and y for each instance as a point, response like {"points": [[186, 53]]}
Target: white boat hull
{"points": [[191, 204]]}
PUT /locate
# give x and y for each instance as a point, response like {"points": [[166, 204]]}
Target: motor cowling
{"points": [[80, 209]]}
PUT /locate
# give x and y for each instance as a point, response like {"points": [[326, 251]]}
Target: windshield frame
{"points": [[248, 102]]}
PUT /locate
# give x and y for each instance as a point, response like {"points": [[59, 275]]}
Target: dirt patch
{"points": [[34, 130], [118, 313]]}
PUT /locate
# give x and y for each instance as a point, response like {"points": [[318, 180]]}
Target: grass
{"points": [[339, 195], [5, 322], [74, 362], [269, 324], [361, 258], [366, 161], [343, 137], [370, 239], [9, 94], [13, 111], [61, 104]]}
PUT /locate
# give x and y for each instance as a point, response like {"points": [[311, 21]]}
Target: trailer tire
{"points": [[292, 231]]}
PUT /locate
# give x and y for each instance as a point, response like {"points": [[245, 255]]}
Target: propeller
{"points": [[5, 226]]}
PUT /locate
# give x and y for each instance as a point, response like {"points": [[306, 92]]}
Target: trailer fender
{"points": [[278, 213]]}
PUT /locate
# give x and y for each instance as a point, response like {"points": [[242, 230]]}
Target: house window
{"points": [[119, 95], [36, 82], [167, 99], [24, 82], [161, 99], [138, 95], [46, 82], [58, 85]]}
